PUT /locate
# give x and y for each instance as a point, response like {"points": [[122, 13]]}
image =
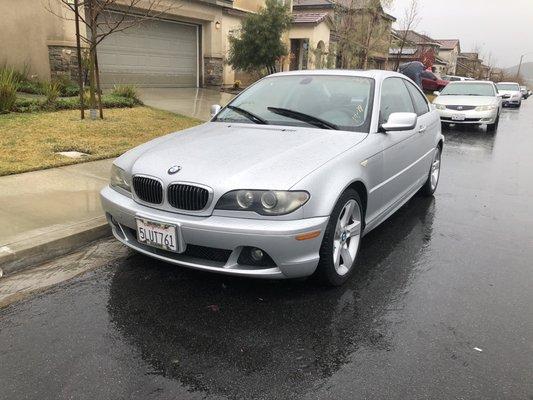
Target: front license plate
{"points": [[458, 117], [157, 234]]}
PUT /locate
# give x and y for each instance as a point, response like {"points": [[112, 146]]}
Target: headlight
{"points": [[118, 179], [486, 108], [440, 106], [264, 202]]}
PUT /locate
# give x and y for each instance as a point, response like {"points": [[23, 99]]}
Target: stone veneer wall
{"points": [[213, 71], [63, 61]]}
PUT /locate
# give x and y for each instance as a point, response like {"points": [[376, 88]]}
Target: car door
{"points": [[398, 154], [427, 123]]}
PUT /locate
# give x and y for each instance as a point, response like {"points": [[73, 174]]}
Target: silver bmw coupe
{"points": [[285, 180]]}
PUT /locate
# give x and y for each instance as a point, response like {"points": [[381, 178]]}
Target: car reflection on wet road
{"points": [[440, 307]]}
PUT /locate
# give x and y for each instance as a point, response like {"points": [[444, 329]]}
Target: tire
{"points": [[493, 127], [334, 273], [432, 181], [519, 104]]}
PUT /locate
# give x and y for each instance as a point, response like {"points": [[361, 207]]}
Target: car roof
{"points": [[468, 82], [374, 73]]}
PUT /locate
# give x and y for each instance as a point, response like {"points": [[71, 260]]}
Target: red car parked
{"points": [[430, 85]]}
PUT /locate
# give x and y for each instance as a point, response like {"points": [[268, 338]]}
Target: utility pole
{"points": [[519, 66]]}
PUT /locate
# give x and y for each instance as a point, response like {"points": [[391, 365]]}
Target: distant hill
{"points": [[526, 71]]}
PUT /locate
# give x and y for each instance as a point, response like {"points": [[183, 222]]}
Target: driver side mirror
{"points": [[436, 93], [215, 109], [399, 121]]}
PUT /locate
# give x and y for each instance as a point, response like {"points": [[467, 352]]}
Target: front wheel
{"points": [[434, 174], [493, 127], [340, 245]]}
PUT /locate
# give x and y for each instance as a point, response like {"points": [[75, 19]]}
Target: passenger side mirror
{"points": [[436, 93], [215, 109], [399, 121]]}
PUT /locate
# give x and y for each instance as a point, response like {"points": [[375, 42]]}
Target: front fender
{"points": [[362, 163]]}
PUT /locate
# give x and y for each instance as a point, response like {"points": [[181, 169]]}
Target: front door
{"points": [[399, 148]]}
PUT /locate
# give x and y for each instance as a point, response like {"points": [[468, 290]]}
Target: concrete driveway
{"points": [[192, 102]]}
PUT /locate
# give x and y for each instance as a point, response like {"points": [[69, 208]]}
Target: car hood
{"points": [[231, 156], [511, 92], [465, 100]]}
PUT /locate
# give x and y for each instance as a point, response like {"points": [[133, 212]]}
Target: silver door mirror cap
{"points": [[215, 109], [400, 121]]}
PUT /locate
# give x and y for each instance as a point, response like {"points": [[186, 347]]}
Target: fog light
{"points": [[257, 254]]}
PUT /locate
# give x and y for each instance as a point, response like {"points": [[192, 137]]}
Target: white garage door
{"points": [[155, 53]]}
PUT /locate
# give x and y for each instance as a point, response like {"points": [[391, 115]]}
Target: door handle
{"points": [[422, 129]]}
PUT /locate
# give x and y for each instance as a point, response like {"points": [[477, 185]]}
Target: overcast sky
{"points": [[502, 27]]}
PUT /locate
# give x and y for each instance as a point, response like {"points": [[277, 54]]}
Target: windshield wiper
{"points": [[320, 123], [252, 117]]}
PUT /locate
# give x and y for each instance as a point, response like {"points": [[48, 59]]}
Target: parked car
{"points": [[284, 181], [511, 94], [469, 102], [430, 85], [455, 78], [525, 92]]}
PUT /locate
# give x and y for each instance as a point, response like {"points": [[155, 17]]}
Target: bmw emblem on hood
{"points": [[174, 169]]}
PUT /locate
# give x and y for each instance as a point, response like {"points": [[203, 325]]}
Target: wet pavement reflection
{"points": [[439, 307]]}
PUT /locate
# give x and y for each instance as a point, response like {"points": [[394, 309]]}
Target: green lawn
{"points": [[29, 141]]}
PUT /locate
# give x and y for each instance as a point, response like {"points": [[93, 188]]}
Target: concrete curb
{"points": [[37, 249]]}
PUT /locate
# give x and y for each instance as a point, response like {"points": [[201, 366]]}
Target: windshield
{"points": [[468, 89], [507, 86], [344, 102]]}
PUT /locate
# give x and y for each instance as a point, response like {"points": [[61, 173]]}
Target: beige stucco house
{"points": [[449, 51], [184, 46]]}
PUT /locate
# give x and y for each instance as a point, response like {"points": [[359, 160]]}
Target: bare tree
{"points": [[98, 20], [409, 21], [361, 29]]}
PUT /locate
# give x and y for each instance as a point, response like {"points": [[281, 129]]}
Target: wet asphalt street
{"points": [[441, 307]]}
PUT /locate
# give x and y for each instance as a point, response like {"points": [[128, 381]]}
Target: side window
{"points": [[394, 98], [419, 101]]}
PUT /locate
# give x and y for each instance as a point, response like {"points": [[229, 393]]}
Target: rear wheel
{"points": [[434, 174], [342, 238]]}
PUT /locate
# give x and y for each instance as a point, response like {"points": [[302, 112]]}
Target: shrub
{"points": [[28, 105], [31, 87], [8, 89], [67, 87], [127, 91], [52, 91]]}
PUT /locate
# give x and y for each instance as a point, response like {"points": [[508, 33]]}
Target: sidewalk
{"points": [[50, 212]]}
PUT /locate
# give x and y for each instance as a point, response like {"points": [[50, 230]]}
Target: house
{"points": [[469, 65], [184, 47], [407, 46], [314, 36], [422, 48], [449, 50]]}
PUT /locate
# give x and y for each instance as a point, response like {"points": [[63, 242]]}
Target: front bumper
{"points": [[512, 101], [293, 258], [470, 116]]}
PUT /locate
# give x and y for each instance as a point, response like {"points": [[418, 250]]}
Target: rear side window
{"points": [[419, 101], [394, 98]]}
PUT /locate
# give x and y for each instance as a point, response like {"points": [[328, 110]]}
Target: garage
{"points": [[155, 53]]}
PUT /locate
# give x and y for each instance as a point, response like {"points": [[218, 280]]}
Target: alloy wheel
{"points": [[435, 169], [346, 238]]}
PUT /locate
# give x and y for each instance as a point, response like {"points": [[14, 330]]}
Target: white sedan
{"points": [[469, 102]]}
